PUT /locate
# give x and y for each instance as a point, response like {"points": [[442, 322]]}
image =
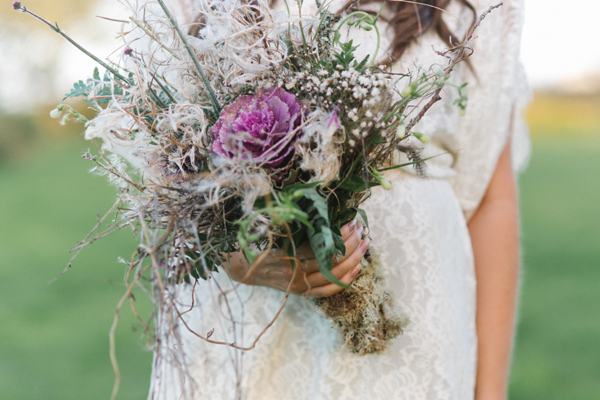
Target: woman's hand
{"points": [[276, 273]]}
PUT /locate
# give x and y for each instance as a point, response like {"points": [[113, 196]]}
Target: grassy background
{"points": [[558, 344], [54, 338]]}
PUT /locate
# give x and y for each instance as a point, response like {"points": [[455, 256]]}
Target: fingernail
{"points": [[360, 229], [347, 229], [352, 224], [365, 244], [356, 270]]}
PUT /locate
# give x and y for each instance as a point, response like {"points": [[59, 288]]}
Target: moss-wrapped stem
{"points": [[364, 314]]}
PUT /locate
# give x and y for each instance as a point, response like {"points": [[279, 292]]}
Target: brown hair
{"points": [[411, 18]]}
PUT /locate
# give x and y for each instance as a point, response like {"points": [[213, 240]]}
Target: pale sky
{"points": [[561, 40]]}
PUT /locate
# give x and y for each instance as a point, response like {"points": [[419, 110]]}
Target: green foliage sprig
{"points": [[103, 88], [364, 21]]}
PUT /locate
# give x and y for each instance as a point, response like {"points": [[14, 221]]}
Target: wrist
{"points": [[482, 393]]}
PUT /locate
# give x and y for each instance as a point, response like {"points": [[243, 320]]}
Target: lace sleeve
{"points": [[499, 93], [521, 146]]}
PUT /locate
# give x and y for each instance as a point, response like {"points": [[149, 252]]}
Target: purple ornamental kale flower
{"points": [[261, 128]]}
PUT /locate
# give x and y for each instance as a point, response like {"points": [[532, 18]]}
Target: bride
{"points": [[449, 243]]}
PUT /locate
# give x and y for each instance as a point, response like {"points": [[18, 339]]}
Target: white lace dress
{"points": [[420, 229]]}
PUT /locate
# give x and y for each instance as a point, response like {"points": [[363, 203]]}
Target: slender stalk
{"points": [[158, 100], [301, 27], [55, 28], [461, 52], [164, 88], [368, 18], [211, 92], [375, 53], [151, 36]]}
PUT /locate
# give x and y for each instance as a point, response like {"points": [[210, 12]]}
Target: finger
{"points": [[358, 253], [304, 252], [309, 275], [317, 279], [348, 229], [342, 269], [332, 288], [351, 243]]}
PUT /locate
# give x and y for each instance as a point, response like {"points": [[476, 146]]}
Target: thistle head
{"points": [[17, 5]]}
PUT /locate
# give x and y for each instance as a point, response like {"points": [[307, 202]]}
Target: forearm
{"points": [[494, 234]]}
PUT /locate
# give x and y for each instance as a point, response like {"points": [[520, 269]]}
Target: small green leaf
{"points": [[339, 241], [299, 186], [303, 218], [250, 255], [376, 139], [337, 36], [323, 245], [357, 183], [79, 89], [319, 203], [363, 215]]}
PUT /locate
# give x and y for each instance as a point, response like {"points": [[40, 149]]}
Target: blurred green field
{"points": [[54, 338], [558, 344]]}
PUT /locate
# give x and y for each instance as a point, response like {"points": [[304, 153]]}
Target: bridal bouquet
{"points": [[259, 130]]}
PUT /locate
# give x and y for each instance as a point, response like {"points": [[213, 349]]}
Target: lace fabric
{"points": [[419, 228]]}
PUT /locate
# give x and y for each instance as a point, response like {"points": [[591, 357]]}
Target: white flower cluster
{"points": [[361, 99]]}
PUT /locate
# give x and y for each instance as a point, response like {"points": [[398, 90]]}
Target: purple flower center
{"points": [[262, 128]]}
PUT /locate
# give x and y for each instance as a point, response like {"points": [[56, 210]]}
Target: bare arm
{"points": [[494, 234]]}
